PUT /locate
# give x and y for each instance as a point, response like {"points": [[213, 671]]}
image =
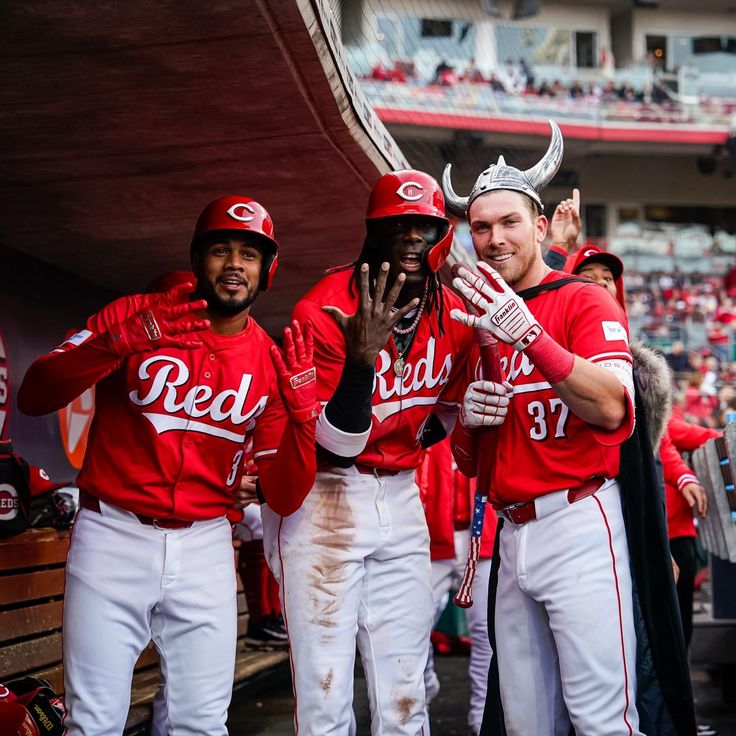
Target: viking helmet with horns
{"points": [[502, 176]]}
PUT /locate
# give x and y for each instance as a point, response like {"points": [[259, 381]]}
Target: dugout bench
{"points": [[31, 600]]}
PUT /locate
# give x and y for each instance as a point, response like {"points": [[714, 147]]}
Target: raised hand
{"points": [[564, 227], [296, 372], [165, 322], [502, 312], [369, 329]]}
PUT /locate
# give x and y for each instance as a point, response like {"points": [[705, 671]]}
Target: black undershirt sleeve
{"points": [[349, 409], [555, 260]]}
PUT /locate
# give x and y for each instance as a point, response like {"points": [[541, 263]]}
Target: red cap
{"points": [[41, 483], [594, 254]]}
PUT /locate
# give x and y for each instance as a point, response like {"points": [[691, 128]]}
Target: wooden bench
{"points": [[31, 600]]}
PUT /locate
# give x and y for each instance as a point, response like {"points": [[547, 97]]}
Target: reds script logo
{"points": [[394, 390], [520, 366], [9, 502], [164, 375], [411, 191]]}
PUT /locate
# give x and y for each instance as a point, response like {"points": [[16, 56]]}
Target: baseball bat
{"points": [[491, 364]]}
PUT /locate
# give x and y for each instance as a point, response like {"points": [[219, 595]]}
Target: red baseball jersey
{"points": [[543, 447], [167, 438], [433, 378], [681, 436]]}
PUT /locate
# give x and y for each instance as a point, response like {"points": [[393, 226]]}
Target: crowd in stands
{"points": [[704, 371], [520, 80]]}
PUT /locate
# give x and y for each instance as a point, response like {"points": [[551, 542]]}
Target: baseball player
{"points": [[564, 632], [354, 560], [181, 381]]}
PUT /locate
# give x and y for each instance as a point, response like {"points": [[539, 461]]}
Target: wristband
{"points": [[553, 361]]}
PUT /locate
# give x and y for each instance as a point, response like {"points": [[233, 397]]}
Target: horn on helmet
{"points": [[454, 204], [541, 173]]}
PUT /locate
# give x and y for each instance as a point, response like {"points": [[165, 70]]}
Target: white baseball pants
{"points": [[353, 563], [565, 634], [128, 583]]}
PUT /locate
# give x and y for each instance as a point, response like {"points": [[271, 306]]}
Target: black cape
{"points": [[664, 691]]}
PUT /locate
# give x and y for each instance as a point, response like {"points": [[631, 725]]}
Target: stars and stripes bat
{"points": [[491, 365]]}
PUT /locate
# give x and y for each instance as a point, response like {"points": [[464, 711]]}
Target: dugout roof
{"points": [[119, 121]]}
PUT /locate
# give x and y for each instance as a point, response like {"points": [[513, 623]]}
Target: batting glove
{"points": [[485, 404], [502, 312], [296, 372], [165, 322]]}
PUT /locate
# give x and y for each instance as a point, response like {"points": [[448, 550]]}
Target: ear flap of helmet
{"points": [[268, 269], [437, 254]]}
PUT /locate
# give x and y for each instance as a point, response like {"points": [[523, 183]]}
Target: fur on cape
{"points": [[655, 381]]}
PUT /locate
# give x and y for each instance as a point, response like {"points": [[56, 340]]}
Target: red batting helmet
{"points": [[15, 720], [236, 215], [411, 192]]}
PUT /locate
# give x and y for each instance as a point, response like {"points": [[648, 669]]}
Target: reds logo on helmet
{"points": [[9, 502], [411, 191], [233, 212]]}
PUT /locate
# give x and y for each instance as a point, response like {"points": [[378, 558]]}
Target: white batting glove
{"points": [[502, 312], [485, 404]]}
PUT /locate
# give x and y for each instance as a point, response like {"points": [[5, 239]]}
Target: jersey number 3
{"points": [[234, 471], [557, 414]]}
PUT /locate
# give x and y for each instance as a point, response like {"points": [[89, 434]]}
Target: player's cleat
{"points": [[269, 632], [705, 729]]}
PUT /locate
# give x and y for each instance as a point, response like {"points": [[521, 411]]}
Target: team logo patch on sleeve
{"points": [[79, 338], [614, 331]]}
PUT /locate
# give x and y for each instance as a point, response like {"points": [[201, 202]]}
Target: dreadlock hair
{"points": [[369, 255]]}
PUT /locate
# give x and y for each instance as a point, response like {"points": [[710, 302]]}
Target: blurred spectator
{"points": [[527, 73], [576, 90], [678, 358], [659, 93], [473, 74], [513, 80], [378, 73], [441, 69], [496, 84], [699, 406]]}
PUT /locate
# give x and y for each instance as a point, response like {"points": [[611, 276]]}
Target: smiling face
{"points": [[508, 237], [228, 271]]}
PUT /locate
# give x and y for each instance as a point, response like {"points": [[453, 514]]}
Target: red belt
{"points": [[380, 472], [86, 501], [521, 513]]}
